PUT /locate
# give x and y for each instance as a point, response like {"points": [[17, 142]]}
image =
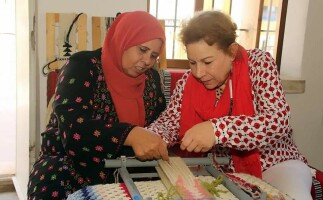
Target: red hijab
{"points": [[128, 30], [198, 106]]}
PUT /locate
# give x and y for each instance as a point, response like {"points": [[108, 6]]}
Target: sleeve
{"points": [[271, 121], [167, 124], [85, 139], [160, 101]]}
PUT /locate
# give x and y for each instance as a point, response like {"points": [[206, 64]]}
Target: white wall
{"points": [[25, 95], [107, 8], [292, 54], [7, 87], [302, 59]]}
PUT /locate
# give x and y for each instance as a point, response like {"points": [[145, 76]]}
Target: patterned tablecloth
{"points": [[118, 191]]}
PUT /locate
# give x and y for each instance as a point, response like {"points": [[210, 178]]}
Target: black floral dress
{"points": [[84, 129]]}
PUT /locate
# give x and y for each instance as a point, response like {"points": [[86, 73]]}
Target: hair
{"points": [[214, 27]]}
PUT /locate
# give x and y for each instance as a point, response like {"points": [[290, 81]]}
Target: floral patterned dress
{"points": [[84, 129]]}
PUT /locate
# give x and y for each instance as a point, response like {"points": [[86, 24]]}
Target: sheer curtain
{"points": [[7, 87]]}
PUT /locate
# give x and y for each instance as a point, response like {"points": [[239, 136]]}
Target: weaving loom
{"points": [[180, 178]]}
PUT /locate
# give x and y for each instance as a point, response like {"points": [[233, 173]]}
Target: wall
{"points": [[107, 8], [26, 87], [7, 88], [301, 59], [294, 39]]}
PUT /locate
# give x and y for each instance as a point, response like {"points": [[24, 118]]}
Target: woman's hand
{"points": [[199, 138], [146, 144]]}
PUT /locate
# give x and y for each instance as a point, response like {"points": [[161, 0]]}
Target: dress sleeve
{"points": [[160, 101], [271, 121], [85, 139], [167, 124]]}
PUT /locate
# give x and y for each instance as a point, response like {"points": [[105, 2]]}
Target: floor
{"points": [[8, 196], [7, 189], [7, 158], [7, 146]]}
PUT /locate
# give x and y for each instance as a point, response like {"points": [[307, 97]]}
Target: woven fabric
{"points": [[316, 190], [146, 188], [96, 192], [317, 185], [167, 85], [152, 188], [253, 185]]}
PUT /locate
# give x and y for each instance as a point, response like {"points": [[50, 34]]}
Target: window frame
{"points": [[184, 64]]}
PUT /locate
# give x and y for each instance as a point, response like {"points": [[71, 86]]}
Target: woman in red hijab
{"points": [[231, 102], [102, 100]]}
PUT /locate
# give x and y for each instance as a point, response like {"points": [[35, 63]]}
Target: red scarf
{"points": [[198, 106], [128, 30]]}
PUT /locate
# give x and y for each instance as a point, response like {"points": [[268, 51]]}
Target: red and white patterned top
{"points": [[268, 130]]}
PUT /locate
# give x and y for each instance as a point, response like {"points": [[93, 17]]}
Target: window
{"points": [[260, 23], [7, 88], [173, 12]]}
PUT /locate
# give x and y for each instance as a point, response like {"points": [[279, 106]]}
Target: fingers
{"points": [[153, 148], [194, 147], [189, 143], [197, 149], [163, 151], [142, 155], [186, 142], [205, 149], [192, 144], [199, 138]]}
